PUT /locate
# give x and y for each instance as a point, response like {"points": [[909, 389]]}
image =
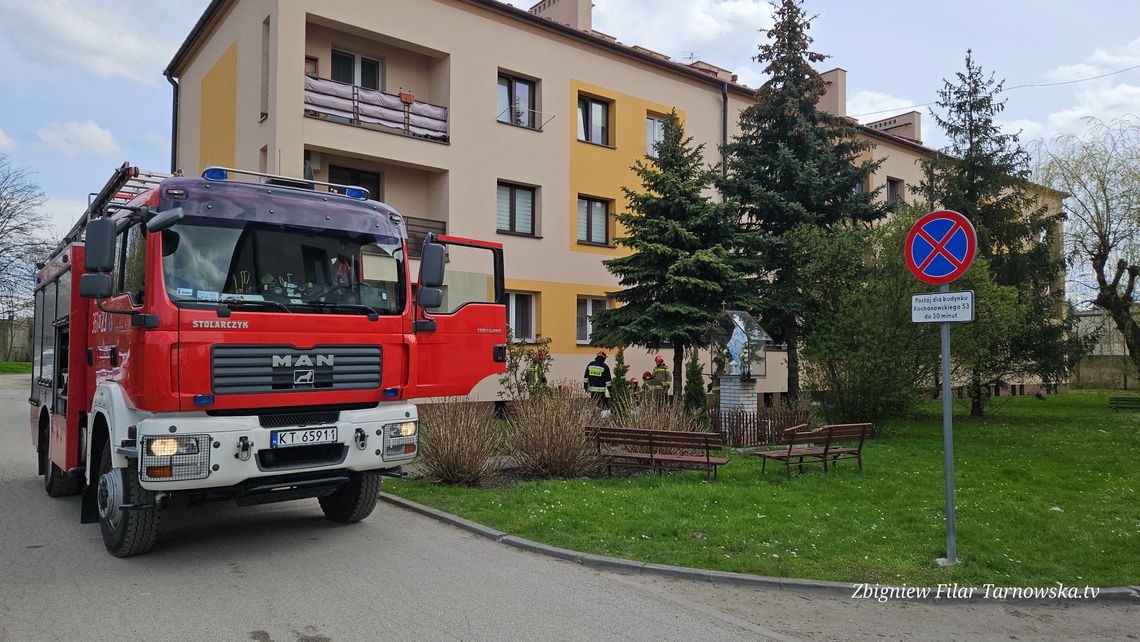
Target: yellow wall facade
{"points": [[218, 112], [600, 171]]}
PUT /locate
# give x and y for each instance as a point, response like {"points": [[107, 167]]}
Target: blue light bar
{"points": [[203, 400], [215, 174], [391, 392], [356, 192]]}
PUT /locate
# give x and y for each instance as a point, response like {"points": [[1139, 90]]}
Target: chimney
{"points": [[575, 13], [835, 100], [908, 126]]}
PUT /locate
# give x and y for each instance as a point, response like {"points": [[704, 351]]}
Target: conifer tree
{"points": [[984, 174], [695, 399], [791, 165], [684, 266]]}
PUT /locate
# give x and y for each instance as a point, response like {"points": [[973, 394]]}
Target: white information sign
{"points": [[942, 307]]}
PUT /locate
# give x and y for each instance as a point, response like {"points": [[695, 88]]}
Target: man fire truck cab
{"points": [[217, 339]]}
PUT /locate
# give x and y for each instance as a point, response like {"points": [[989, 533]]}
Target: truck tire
{"points": [[354, 500], [125, 533], [56, 483]]}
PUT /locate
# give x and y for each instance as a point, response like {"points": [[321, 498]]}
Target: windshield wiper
{"points": [[254, 302], [373, 314]]}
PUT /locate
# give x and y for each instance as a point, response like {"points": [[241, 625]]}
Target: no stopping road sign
{"points": [[940, 247]]}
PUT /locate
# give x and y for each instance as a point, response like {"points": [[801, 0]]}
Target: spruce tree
{"points": [[695, 399], [984, 174], [791, 165], [683, 266]]}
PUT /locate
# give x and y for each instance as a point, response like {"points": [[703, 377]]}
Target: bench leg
{"points": [[763, 465], [859, 461], [825, 464], [788, 466]]}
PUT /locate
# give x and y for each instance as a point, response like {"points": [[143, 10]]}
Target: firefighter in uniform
{"points": [[661, 374], [596, 379], [535, 381]]}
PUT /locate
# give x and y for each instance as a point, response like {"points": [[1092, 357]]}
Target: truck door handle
{"points": [[499, 353]]}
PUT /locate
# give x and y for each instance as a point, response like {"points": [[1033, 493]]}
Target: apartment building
{"points": [[477, 119]]}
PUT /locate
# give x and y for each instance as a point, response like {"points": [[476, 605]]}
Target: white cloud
{"points": [[1103, 98], [875, 105], [61, 214], [107, 39], [74, 138], [6, 142]]}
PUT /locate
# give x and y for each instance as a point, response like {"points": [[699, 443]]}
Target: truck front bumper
{"points": [[195, 451]]}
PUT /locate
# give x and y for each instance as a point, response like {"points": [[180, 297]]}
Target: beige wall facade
{"points": [[450, 53]]}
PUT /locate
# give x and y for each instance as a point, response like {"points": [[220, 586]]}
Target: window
{"points": [[370, 181], [587, 308], [859, 189], [520, 315], [894, 190], [516, 102], [355, 70], [311, 67], [593, 121], [654, 133], [514, 211], [593, 221], [131, 278]]}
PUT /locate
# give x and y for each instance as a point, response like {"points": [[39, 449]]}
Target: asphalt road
{"points": [[282, 572]]}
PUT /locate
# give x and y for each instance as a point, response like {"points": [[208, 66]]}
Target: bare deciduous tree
{"points": [[22, 241], [1101, 173]]}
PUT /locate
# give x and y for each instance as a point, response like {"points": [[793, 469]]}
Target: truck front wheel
{"points": [[354, 500], [125, 532]]}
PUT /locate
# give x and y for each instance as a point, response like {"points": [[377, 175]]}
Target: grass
{"points": [[1047, 491], [15, 367]]}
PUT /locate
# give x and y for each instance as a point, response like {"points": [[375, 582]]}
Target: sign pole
{"points": [[938, 250], [948, 441]]}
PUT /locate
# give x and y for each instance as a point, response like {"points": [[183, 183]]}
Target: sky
{"points": [[81, 88]]}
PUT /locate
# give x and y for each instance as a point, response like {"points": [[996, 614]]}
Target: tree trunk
{"points": [[678, 363], [977, 402], [793, 362], [1119, 309]]}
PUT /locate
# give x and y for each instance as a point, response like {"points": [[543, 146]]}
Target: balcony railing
{"points": [[418, 229], [342, 102]]}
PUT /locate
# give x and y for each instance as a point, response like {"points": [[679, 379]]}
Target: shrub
{"points": [[656, 413], [694, 400], [458, 441], [548, 434]]}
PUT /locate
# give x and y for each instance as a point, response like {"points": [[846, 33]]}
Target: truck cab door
{"points": [[461, 341]]}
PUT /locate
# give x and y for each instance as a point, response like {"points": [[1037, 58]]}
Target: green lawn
{"points": [[1047, 491], [15, 367]]}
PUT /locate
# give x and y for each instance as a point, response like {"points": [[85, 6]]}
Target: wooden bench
{"points": [[1127, 403], [818, 446], [659, 449]]}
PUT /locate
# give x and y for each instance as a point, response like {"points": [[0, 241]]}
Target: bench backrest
{"points": [[656, 439], [826, 435]]}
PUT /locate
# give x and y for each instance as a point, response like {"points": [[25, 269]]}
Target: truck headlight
{"points": [[406, 429], [170, 446], [174, 458]]}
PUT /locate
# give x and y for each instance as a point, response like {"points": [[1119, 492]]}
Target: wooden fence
{"points": [[742, 428]]}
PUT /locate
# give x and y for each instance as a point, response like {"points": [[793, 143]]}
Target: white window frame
{"points": [[591, 309], [512, 305], [657, 135], [357, 62]]}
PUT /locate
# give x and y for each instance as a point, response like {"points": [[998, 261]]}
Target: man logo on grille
{"points": [[304, 377]]}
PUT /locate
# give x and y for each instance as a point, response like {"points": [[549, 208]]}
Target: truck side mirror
{"points": [[99, 246], [165, 220], [431, 265], [95, 285], [430, 298]]}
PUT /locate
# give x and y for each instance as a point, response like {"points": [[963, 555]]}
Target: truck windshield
{"points": [[280, 269]]}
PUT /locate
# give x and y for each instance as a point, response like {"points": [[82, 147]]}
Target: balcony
{"points": [[399, 114], [418, 229]]}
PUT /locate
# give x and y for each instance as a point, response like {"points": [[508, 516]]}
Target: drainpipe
{"points": [[724, 131], [173, 124]]}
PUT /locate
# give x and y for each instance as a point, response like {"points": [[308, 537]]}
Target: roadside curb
{"points": [[632, 567]]}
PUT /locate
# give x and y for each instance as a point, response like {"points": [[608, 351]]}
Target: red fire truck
{"points": [[255, 340]]}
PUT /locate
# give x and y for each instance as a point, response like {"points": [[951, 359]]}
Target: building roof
{"points": [[214, 10]]}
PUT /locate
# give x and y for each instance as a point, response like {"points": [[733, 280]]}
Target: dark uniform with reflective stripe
{"points": [[596, 380]]}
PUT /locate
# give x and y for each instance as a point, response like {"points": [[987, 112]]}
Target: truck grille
{"points": [[311, 418], [267, 368]]}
